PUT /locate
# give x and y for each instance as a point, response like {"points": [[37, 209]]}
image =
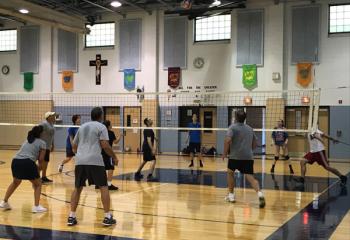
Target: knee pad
{"points": [[276, 158]]}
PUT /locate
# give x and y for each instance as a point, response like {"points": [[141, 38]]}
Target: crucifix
{"points": [[98, 63]]}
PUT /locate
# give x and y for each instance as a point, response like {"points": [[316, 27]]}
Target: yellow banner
{"points": [[304, 76], [67, 80]]}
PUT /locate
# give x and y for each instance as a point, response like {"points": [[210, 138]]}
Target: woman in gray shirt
{"points": [[24, 168]]}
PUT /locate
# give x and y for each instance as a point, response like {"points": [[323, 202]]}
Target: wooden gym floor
{"points": [[183, 204]]}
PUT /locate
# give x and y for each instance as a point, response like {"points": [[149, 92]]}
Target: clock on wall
{"points": [[5, 69], [198, 62]]}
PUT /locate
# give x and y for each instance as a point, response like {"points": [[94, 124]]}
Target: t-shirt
{"points": [[88, 140], [71, 133], [242, 137], [147, 133], [112, 138], [31, 150], [315, 144], [279, 137], [195, 135], [48, 134]]}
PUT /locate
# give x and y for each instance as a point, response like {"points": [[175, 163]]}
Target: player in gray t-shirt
{"points": [[240, 141], [47, 136], [90, 139]]}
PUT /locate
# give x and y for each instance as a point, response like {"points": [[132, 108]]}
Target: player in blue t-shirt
{"points": [[76, 119], [280, 140], [194, 140]]}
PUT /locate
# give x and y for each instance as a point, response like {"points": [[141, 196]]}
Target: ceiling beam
{"points": [[136, 6], [166, 4], [42, 21], [105, 8]]}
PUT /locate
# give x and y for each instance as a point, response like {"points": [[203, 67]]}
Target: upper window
{"points": [[213, 28], [8, 40], [101, 35], [339, 18]]}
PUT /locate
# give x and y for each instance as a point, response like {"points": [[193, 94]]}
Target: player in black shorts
{"points": [[149, 149], [109, 163]]}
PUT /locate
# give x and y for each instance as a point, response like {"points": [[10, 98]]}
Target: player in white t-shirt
{"points": [[317, 154]]}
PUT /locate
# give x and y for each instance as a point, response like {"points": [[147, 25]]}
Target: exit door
{"points": [[132, 137]]}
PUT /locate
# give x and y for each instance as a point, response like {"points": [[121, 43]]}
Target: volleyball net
{"points": [[171, 112]]}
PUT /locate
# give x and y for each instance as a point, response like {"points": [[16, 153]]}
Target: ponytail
{"points": [[34, 133]]}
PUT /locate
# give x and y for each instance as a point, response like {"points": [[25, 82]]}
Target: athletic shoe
{"points": [[191, 165], [5, 205], [109, 221], [38, 209], [200, 164], [272, 169], [46, 180], [291, 169], [60, 168], [261, 202], [72, 221], [230, 198], [113, 188], [138, 176], [343, 179]]}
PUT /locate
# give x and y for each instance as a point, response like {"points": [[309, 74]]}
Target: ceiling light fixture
{"points": [[115, 4], [23, 10], [215, 3]]}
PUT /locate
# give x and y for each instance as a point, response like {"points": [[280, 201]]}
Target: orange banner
{"points": [[67, 80], [304, 75]]}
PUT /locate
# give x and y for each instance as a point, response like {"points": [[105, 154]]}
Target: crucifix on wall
{"points": [[98, 63]]}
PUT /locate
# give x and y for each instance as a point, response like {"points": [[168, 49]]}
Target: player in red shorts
{"points": [[318, 154]]}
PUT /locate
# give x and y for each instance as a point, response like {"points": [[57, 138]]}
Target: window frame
{"points": [[227, 40], [329, 19], [9, 51], [105, 46]]}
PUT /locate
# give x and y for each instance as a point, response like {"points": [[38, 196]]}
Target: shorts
{"points": [[148, 156], [96, 175], [195, 147], [244, 166], [280, 144], [108, 161], [69, 152], [24, 169], [47, 155], [319, 157]]}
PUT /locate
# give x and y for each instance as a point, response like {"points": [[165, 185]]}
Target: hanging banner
{"points": [[249, 76], [174, 75], [28, 81], [129, 79], [67, 80], [304, 74]]}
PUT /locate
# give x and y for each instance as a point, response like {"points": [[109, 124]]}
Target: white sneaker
{"points": [[60, 168], [38, 209], [5, 205], [230, 198]]}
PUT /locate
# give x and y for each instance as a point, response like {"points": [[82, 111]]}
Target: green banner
{"points": [[249, 76], [28, 81]]}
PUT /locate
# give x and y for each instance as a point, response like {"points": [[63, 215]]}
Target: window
{"points": [[213, 28], [101, 35], [339, 18], [8, 40]]}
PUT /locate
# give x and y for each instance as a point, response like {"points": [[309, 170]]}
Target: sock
{"points": [[260, 194], [108, 215], [231, 194], [109, 183], [72, 214]]}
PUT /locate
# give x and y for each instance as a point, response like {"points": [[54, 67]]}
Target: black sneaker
{"points": [[72, 221], [138, 176], [343, 179], [109, 221], [191, 165], [262, 202], [46, 180], [113, 188], [200, 164], [291, 169], [272, 169]]}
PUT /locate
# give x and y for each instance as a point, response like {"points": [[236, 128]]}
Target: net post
{"points": [[316, 109], [311, 111]]}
